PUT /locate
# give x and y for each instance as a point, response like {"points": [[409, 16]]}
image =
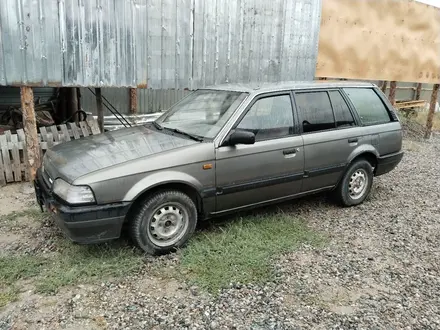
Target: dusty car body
{"points": [[219, 150]]}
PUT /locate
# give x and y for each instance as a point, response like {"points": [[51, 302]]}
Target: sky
{"points": [[435, 3]]}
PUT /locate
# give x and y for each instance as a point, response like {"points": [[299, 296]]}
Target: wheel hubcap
{"points": [[167, 225], [358, 184]]}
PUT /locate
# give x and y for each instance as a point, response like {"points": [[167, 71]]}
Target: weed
{"points": [[241, 252], [73, 265], [8, 295]]}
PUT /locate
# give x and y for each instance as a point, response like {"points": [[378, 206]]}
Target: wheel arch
{"points": [[183, 186], [367, 152]]}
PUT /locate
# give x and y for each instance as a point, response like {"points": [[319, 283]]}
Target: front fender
{"points": [[161, 178]]}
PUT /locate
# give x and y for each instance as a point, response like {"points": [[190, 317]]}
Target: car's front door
{"points": [[268, 170], [330, 135]]}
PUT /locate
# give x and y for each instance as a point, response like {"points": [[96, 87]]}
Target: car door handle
{"points": [[353, 140], [290, 151]]}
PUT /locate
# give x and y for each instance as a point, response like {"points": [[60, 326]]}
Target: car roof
{"points": [[287, 85]]}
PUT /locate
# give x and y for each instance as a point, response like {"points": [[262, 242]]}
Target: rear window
{"points": [[369, 106], [343, 116], [316, 111]]}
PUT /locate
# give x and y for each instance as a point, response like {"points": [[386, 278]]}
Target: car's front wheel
{"points": [[164, 222], [356, 183]]}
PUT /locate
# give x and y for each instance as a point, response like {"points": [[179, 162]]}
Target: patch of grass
{"points": [[82, 264], [241, 252], [32, 213], [75, 264], [8, 295]]}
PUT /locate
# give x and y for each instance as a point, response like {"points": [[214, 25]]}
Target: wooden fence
{"points": [[13, 158]]}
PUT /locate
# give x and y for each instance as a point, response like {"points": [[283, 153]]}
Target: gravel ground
{"points": [[378, 270]]}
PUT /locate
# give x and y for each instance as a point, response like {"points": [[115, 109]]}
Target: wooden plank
{"points": [[21, 139], [44, 145], [84, 128], [20, 134], [66, 135], [6, 159], [8, 135], [16, 158], [20, 144], [75, 131], [50, 143], [93, 124], [43, 133], [2, 170], [55, 133]]}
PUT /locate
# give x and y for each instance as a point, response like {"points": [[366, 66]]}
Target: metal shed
{"points": [[168, 44]]}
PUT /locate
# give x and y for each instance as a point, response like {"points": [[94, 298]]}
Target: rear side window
{"points": [[370, 107], [343, 116], [316, 111]]}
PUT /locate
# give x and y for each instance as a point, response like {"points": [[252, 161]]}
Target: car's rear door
{"points": [[268, 170], [330, 134]]}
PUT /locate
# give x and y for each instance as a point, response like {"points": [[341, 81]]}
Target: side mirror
{"points": [[240, 137]]}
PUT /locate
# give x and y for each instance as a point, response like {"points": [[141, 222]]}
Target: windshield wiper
{"points": [[157, 125], [191, 136]]}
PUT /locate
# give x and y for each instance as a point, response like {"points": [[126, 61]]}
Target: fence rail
{"points": [[13, 158]]}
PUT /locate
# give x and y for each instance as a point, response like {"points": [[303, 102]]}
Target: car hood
{"points": [[73, 159]]}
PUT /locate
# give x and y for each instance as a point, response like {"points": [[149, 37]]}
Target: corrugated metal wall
{"points": [[10, 96], [149, 100], [157, 44]]}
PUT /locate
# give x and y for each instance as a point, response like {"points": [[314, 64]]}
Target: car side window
{"points": [[315, 111], [269, 118], [369, 106], [343, 116]]}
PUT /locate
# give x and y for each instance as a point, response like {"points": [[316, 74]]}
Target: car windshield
{"points": [[202, 113]]}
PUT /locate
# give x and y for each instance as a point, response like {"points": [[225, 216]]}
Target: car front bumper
{"points": [[387, 163], [82, 224]]}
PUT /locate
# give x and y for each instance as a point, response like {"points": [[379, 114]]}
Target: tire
{"points": [[164, 222], [350, 191]]}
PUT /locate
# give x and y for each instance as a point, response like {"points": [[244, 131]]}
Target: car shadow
{"points": [[294, 208]]}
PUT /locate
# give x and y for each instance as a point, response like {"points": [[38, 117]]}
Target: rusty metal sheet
{"points": [[379, 39]]}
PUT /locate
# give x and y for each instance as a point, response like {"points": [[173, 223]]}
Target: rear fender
{"points": [[359, 151]]}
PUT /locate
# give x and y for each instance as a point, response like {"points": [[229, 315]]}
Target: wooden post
{"points": [[99, 109], [418, 91], [434, 96], [384, 86], [30, 131], [78, 96], [133, 100], [392, 95], [73, 103]]}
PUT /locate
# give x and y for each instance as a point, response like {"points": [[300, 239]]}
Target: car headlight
{"points": [[73, 194]]}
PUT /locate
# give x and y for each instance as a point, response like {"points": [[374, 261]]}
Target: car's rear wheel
{"points": [[164, 222], [356, 183]]}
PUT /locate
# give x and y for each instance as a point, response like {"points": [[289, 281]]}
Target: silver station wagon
{"points": [[220, 150]]}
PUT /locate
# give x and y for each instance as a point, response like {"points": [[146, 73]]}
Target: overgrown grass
{"points": [[75, 264], [241, 251]]}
